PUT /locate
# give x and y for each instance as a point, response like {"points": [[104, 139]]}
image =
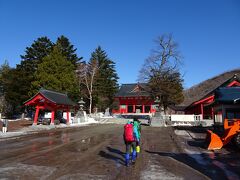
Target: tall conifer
{"points": [[56, 73], [106, 83], [68, 50]]}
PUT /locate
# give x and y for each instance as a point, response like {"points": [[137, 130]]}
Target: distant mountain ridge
{"points": [[204, 88]]}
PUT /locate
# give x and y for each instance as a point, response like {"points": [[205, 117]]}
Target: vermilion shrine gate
{"points": [[134, 99]]}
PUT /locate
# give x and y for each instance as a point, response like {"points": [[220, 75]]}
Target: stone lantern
{"points": [[81, 104], [156, 103]]}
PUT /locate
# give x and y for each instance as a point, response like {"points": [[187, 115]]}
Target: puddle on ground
{"points": [[231, 175], [197, 156], [211, 155], [65, 138], [87, 143]]}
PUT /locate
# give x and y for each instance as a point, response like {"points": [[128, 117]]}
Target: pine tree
{"points": [[68, 50], [11, 98], [35, 53], [56, 73], [106, 83], [167, 85], [28, 66], [4, 71]]}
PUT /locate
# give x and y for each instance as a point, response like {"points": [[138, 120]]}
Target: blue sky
{"points": [[208, 32]]}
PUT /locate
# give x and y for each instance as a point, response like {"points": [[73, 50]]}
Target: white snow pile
{"points": [[180, 132], [89, 121], [37, 128], [186, 134], [155, 172]]}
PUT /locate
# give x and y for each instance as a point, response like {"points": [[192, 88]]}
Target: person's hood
{"points": [[135, 122]]}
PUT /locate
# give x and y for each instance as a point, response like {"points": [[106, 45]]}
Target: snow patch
{"points": [[186, 134], [12, 134], [182, 133], [11, 171], [37, 128], [155, 172]]}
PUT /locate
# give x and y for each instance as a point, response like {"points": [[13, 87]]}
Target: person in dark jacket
{"points": [[5, 125]]}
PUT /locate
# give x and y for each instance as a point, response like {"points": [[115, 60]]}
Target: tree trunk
{"points": [[90, 104]]}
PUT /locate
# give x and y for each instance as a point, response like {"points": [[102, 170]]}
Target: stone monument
{"points": [[107, 113], [81, 115]]}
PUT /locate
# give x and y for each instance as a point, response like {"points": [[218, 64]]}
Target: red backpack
{"points": [[128, 133]]}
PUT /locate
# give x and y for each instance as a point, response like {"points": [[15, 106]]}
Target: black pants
{"points": [[130, 145]]}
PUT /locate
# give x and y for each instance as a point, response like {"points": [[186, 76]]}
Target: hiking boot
{"points": [[127, 159], [134, 154]]}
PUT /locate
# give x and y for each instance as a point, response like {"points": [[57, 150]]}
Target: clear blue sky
{"points": [[208, 32]]}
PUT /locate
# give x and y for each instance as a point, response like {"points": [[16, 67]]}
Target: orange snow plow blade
{"points": [[213, 141]]}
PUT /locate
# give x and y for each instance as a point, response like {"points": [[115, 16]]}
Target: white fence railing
{"points": [[181, 120], [189, 120], [186, 117]]}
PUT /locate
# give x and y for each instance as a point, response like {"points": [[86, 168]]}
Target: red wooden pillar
{"points": [[36, 116], [152, 108], [52, 117], [143, 108], [134, 108], [202, 110], [68, 117]]}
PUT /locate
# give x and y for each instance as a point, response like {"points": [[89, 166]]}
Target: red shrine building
{"points": [[46, 100], [134, 99], [207, 98], [216, 98]]}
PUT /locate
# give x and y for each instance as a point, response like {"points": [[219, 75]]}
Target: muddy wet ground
{"points": [[97, 152]]}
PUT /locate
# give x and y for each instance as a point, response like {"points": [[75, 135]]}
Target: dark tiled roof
{"points": [[207, 87], [228, 95], [177, 108], [56, 97], [127, 90]]}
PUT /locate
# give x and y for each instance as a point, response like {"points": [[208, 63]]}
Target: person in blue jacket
{"points": [[137, 132]]}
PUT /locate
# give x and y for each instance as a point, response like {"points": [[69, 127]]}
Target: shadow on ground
{"points": [[214, 165], [113, 154]]}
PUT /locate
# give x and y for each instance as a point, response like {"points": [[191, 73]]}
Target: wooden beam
{"points": [[207, 99]]}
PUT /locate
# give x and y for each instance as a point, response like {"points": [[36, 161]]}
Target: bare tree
{"points": [[87, 73], [164, 56], [161, 71]]}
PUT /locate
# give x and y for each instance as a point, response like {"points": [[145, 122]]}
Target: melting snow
{"points": [[26, 170], [155, 172]]}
